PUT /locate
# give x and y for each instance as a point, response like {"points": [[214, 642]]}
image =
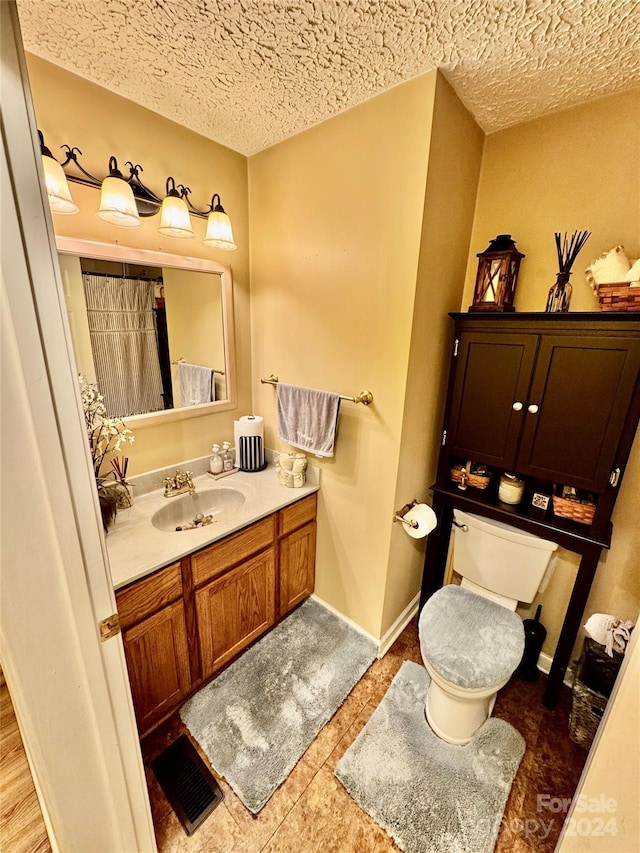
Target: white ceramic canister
{"points": [[511, 489]]}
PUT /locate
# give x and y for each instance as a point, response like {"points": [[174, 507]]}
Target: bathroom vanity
{"points": [[183, 621], [554, 398]]}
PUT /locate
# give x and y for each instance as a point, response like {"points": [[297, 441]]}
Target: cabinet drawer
{"points": [[213, 561], [145, 596], [297, 514]]}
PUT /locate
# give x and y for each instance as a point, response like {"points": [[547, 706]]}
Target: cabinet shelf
{"points": [[569, 534]]}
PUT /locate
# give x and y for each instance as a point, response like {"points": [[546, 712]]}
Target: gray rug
{"points": [[427, 794], [257, 718]]}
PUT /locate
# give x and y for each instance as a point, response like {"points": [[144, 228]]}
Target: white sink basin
{"points": [[187, 509]]}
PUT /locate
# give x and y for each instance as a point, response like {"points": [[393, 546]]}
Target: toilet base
{"points": [[455, 715]]}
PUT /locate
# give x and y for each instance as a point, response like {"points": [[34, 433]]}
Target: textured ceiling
{"points": [[249, 73]]}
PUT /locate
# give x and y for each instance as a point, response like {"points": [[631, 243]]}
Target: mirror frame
{"points": [[126, 254]]}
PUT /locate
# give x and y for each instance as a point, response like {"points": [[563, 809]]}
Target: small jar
{"points": [[511, 489]]}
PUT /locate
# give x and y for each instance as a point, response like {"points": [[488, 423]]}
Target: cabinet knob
{"points": [[517, 406], [533, 409]]}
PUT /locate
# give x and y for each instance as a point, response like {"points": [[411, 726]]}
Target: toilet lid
{"points": [[468, 640]]}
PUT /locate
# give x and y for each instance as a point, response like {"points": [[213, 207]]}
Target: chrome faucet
{"points": [[179, 484]]}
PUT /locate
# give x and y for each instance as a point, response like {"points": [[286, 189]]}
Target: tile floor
{"points": [[311, 811]]}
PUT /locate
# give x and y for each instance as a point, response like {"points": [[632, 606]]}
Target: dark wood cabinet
{"points": [[492, 375], [581, 388], [554, 398]]}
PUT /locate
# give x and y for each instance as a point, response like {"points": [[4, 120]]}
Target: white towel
{"points": [[308, 419], [196, 384]]}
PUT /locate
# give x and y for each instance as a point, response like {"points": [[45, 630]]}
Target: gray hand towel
{"points": [[308, 419], [196, 384]]}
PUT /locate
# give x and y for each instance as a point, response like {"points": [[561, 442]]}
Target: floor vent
{"points": [[187, 782]]}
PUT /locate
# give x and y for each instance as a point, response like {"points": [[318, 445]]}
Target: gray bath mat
{"points": [[427, 794], [257, 718]]}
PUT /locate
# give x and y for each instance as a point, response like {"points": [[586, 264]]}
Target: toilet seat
{"points": [[470, 641]]}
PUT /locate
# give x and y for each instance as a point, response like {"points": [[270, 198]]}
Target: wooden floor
{"points": [[22, 829], [312, 812]]}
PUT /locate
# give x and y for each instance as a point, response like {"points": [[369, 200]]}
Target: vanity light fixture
{"points": [[124, 200]]}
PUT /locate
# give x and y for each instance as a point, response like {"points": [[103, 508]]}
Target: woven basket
{"points": [[619, 297], [580, 511], [587, 708], [478, 481]]}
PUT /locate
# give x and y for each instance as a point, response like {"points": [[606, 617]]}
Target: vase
{"points": [[114, 496], [560, 294], [122, 493]]}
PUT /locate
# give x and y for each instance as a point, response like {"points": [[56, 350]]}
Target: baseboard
{"points": [[544, 665], [390, 636], [346, 619]]}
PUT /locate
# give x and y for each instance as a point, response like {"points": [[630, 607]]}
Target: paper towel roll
{"points": [[426, 519], [249, 426]]}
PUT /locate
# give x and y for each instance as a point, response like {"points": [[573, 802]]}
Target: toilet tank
{"points": [[498, 557]]}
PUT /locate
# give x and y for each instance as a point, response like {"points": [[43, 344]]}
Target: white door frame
{"points": [[70, 690]]}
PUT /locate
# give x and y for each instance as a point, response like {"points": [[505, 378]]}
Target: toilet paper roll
{"points": [[426, 519], [249, 425]]}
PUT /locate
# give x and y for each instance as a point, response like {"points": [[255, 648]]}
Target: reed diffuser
{"points": [[568, 249]]}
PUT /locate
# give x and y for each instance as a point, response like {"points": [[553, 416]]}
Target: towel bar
{"points": [[213, 370], [364, 397]]}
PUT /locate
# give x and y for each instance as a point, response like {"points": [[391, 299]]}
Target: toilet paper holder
{"points": [[399, 515]]}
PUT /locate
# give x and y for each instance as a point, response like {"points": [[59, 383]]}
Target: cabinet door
{"points": [[235, 609], [582, 388], [158, 663], [297, 566], [492, 375]]}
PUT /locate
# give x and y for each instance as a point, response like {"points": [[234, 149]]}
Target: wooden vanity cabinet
{"points": [[182, 624], [297, 553], [152, 617]]}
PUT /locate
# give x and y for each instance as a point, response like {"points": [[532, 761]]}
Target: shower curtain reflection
{"points": [[124, 342]]}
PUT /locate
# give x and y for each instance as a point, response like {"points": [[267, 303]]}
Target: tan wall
{"points": [[71, 110], [452, 180], [611, 775], [335, 236], [577, 169]]}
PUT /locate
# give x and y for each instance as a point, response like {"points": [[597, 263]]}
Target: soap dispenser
{"points": [[227, 459], [216, 463]]}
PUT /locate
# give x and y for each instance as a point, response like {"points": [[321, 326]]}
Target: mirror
{"points": [[154, 330]]}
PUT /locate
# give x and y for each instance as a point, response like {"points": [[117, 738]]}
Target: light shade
{"points": [[174, 217], [219, 233], [117, 205], [58, 192]]}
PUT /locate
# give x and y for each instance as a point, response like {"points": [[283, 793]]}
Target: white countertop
{"points": [[136, 548]]}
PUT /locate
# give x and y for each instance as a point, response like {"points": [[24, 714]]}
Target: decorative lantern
{"points": [[497, 275]]}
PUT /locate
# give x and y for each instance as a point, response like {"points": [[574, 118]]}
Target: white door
{"points": [[69, 689]]}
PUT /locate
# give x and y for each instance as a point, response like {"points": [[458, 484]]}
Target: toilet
{"points": [[471, 639]]}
